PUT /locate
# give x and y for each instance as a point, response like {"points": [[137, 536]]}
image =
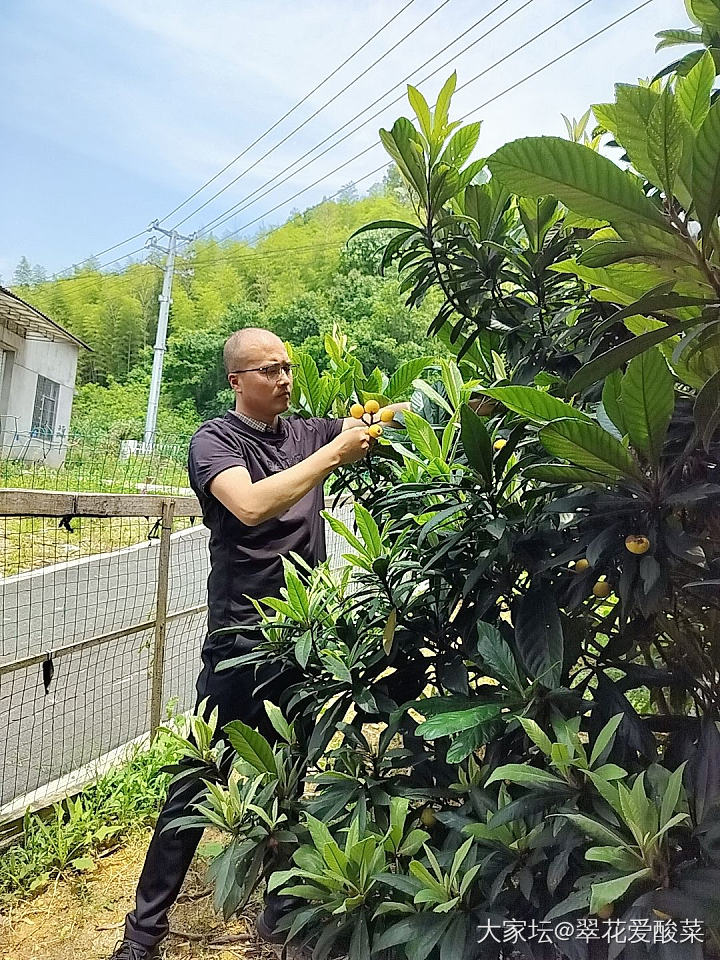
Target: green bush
{"points": [[67, 840], [511, 698]]}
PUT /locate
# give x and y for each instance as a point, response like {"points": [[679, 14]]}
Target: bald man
{"points": [[259, 479]]}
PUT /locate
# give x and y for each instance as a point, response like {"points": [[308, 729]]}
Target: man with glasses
{"points": [[259, 479]]}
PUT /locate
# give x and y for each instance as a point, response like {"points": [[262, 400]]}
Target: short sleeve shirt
{"points": [[246, 560]]}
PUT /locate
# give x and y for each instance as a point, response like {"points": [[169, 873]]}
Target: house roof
{"points": [[27, 321]]}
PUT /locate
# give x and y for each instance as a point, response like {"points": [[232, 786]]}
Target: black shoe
{"points": [[276, 907], [130, 950]]}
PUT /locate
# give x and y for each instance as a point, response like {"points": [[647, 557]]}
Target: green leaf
{"points": [[526, 776], [587, 445], [278, 721], [614, 358], [476, 443], [624, 860], [561, 473], [251, 746], [461, 145], [648, 401], [706, 170], [671, 796], [455, 721], [672, 38], [368, 530], [422, 435], [537, 735], [633, 107], [612, 400], [582, 179], [422, 111], [442, 105], [692, 92], [337, 526], [539, 634], [665, 140], [401, 381], [497, 656], [707, 410], [605, 738], [385, 225], [297, 594], [596, 830], [389, 631], [706, 12], [611, 890], [307, 378], [303, 647], [534, 405], [402, 145]]}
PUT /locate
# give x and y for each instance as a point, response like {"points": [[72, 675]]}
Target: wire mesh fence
{"points": [[102, 608]]}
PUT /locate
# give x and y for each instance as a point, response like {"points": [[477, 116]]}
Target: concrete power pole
{"points": [[165, 299]]}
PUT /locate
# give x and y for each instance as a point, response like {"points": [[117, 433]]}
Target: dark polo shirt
{"points": [[243, 559]]}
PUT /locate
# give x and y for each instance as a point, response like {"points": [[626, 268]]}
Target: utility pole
{"points": [[165, 299]]}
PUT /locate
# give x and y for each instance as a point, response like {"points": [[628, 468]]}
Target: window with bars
{"points": [[45, 409]]}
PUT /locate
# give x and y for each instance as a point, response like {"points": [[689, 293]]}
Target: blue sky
{"points": [[114, 111]]}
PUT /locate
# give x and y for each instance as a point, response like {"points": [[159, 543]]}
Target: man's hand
{"points": [[353, 444]]}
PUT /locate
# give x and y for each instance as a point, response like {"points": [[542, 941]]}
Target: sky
{"points": [[112, 112]]}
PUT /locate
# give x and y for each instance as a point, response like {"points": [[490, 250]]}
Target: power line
{"points": [[288, 113], [312, 116], [492, 99], [557, 59], [57, 275], [242, 203], [230, 213], [101, 253], [497, 96]]}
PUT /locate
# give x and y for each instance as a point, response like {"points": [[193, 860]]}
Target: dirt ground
{"points": [[83, 919]]}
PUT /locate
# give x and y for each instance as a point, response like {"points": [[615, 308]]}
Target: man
{"points": [[259, 479]]}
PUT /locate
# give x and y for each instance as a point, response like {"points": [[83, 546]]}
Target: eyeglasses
{"points": [[272, 370]]}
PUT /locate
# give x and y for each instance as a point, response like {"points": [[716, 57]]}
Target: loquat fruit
{"points": [[601, 589], [357, 410], [637, 544], [499, 444], [372, 406]]}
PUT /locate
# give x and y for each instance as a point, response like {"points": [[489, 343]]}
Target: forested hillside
{"points": [[298, 280]]}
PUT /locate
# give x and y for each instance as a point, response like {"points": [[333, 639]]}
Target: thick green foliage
{"points": [[511, 699]]}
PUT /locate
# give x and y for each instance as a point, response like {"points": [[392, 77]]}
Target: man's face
{"points": [[260, 395]]}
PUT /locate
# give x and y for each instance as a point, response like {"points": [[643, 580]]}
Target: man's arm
{"points": [[253, 503], [350, 422]]}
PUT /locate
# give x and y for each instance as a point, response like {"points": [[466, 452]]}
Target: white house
{"points": [[38, 362]]}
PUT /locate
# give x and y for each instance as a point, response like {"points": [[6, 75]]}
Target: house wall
{"points": [[54, 359]]}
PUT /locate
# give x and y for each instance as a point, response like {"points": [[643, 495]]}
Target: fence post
{"points": [[158, 662]]}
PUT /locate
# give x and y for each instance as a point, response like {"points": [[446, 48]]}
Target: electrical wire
{"points": [[219, 221], [242, 204], [504, 92], [312, 116], [94, 256], [288, 113], [101, 253], [496, 97]]}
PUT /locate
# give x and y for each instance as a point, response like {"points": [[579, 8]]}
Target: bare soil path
{"points": [[83, 918]]}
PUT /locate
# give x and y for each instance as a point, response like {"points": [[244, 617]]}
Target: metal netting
{"points": [[78, 611]]}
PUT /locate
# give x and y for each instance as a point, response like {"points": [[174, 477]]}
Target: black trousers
{"points": [[170, 853]]}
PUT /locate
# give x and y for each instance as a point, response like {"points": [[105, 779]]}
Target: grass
{"points": [[98, 466], [90, 466], [28, 543], [69, 840]]}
